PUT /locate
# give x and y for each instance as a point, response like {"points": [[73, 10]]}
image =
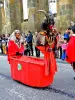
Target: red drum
{"points": [[30, 71]]}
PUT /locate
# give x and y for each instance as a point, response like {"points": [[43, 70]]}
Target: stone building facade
{"points": [[65, 13], [12, 15], [12, 18]]}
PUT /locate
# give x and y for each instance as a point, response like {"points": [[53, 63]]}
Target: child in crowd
{"points": [[64, 47]]}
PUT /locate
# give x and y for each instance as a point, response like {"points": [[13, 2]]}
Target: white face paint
{"points": [[13, 37]]}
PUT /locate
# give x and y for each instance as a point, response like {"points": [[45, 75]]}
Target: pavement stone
{"points": [[63, 87]]}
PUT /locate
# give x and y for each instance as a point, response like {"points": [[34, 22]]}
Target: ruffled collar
{"points": [[73, 34]]}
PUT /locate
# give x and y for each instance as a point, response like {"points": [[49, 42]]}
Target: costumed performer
{"points": [[45, 45], [15, 45], [71, 50]]}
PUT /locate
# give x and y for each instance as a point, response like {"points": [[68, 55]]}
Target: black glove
{"points": [[49, 49], [19, 54], [66, 56]]}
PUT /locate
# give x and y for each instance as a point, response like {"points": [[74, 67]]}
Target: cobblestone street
{"points": [[63, 87]]}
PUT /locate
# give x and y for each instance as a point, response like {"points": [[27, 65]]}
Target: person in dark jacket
{"points": [[29, 42], [37, 51], [66, 36]]}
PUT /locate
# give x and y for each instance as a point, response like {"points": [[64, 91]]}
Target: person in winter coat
{"points": [[15, 45], [71, 50]]}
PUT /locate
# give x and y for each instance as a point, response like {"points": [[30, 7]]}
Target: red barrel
{"points": [[30, 71]]}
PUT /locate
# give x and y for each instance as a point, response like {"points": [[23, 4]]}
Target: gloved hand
{"points": [[19, 54], [66, 56], [49, 49]]}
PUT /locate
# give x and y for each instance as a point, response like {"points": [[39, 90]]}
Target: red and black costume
{"points": [[15, 47], [71, 50], [47, 50]]}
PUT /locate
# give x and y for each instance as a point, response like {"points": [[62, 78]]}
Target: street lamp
{"points": [[1, 4]]}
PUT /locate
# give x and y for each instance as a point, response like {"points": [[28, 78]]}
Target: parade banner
{"points": [[52, 6], [25, 9]]}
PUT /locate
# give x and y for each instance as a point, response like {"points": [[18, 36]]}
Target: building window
{"points": [[52, 6], [25, 9]]}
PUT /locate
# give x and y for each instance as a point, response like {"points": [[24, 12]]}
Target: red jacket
{"points": [[71, 50], [13, 48]]}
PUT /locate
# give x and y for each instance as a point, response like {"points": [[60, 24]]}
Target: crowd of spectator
{"points": [[61, 41]]}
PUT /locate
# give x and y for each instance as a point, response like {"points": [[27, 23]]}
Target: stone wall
{"points": [[34, 18], [14, 15], [9, 25], [73, 5], [65, 14], [0, 22]]}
